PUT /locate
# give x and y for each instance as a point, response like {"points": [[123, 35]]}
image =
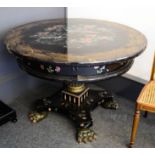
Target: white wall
{"points": [[13, 81], [139, 17]]}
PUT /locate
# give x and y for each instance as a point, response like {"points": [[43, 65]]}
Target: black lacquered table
{"points": [[75, 51]]}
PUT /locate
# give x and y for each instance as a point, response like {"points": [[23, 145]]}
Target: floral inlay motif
{"points": [[79, 36]]}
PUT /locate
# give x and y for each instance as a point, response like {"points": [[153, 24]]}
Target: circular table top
{"points": [[81, 41]]}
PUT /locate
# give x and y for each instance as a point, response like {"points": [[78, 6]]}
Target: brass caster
{"points": [[110, 105], [86, 135], [36, 117]]}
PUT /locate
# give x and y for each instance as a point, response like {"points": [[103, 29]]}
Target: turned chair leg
{"points": [[134, 127]]}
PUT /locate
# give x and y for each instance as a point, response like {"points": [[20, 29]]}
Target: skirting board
{"points": [[134, 78]]}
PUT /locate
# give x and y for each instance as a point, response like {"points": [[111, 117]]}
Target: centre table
{"points": [[75, 51]]}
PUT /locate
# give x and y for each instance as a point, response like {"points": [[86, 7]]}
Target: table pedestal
{"points": [[75, 101]]}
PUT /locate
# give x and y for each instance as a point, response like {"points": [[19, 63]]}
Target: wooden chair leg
{"points": [[134, 127], [145, 114]]}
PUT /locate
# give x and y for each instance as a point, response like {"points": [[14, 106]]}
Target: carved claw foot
{"points": [[86, 135], [37, 116], [110, 105], [107, 100]]}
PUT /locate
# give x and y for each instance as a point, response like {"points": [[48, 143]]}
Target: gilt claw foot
{"points": [[107, 100], [110, 105], [86, 135], [36, 117]]}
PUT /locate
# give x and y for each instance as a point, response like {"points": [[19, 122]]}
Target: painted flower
{"points": [[57, 69]]}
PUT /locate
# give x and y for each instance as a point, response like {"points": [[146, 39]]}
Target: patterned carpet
{"points": [[112, 127]]}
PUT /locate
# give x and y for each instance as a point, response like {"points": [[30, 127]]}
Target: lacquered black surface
{"points": [[6, 114], [79, 41], [47, 37], [89, 72], [78, 37], [75, 49]]}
